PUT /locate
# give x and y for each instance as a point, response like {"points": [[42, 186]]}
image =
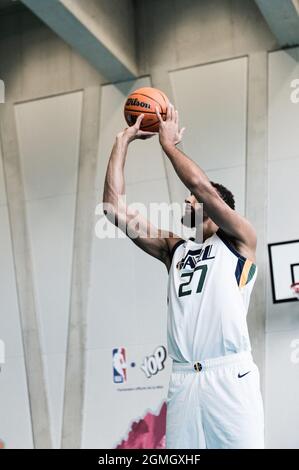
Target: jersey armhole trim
{"points": [[229, 244], [245, 269], [175, 246]]}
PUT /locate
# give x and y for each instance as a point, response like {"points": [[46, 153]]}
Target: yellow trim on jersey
{"points": [[245, 272]]}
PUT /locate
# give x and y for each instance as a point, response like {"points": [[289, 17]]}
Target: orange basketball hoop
{"points": [[295, 289]]}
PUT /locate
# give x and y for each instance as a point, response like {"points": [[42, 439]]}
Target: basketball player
{"points": [[214, 398]]}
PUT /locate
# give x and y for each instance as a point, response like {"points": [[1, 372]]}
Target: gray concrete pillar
{"points": [[24, 279], [256, 197], [84, 232]]}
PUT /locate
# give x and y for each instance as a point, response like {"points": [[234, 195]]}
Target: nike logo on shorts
{"points": [[240, 376]]}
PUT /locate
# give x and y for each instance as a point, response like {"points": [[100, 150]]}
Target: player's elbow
{"points": [[110, 202], [109, 211]]}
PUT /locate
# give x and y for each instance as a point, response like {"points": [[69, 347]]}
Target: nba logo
{"points": [[119, 365]]}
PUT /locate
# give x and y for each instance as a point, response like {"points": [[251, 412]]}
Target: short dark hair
{"points": [[225, 193]]}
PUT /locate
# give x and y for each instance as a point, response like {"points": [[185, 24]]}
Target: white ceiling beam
{"points": [[282, 17], [101, 31]]}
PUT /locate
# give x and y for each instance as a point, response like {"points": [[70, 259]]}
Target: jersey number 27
{"points": [[185, 288]]}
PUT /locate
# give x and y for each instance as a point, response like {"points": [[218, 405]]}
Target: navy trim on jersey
{"points": [[229, 244], [239, 269], [175, 246], [241, 259]]}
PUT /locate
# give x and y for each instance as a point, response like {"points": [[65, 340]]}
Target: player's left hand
{"points": [[169, 131]]}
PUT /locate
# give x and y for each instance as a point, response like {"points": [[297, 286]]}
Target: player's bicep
{"points": [[144, 234]]}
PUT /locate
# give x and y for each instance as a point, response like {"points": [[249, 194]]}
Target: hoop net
{"points": [[295, 289]]}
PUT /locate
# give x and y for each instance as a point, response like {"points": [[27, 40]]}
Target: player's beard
{"points": [[188, 219], [192, 218]]}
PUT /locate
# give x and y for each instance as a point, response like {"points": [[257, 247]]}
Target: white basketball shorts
{"points": [[215, 404]]}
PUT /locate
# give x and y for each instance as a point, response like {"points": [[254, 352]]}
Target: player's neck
{"points": [[204, 231]]}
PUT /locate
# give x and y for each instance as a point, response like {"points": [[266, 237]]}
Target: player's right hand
{"points": [[169, 130], [133, 132]]}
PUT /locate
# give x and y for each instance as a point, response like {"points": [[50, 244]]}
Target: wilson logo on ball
{"points": [[136, 102], [136, 105]]}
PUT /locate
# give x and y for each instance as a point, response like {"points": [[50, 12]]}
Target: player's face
{"points": [[194, 213]]}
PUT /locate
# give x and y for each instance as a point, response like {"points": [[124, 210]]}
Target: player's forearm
{"points": [[188, 171], [115, 182]]}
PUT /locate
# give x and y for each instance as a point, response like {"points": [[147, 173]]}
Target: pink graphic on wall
{"points": [[147, 433]]}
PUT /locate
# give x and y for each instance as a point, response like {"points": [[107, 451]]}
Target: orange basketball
{"points": [[144, 101]]}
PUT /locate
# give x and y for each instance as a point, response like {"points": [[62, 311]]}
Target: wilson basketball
{"points": [[144, 101]]}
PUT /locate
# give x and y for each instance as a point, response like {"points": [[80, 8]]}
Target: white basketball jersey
{"points": [[209, 289]]}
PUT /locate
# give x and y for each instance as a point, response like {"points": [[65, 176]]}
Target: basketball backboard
{"points": [[284, 269]]}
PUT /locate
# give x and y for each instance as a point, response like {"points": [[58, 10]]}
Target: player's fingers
{"points": [[139, 120], [168, 112], [158, 114], [176, 116], [172, 113]]}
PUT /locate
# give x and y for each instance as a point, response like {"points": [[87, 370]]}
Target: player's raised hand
{"points": [[133, 132], [169, 131]]}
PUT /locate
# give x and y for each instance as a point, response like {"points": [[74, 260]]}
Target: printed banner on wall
{"points": [[125, 401]]}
